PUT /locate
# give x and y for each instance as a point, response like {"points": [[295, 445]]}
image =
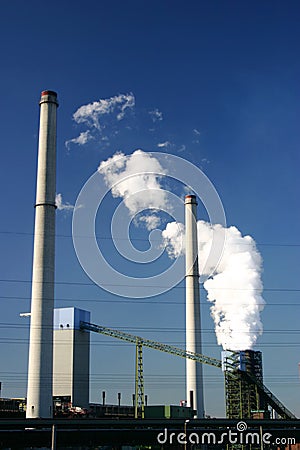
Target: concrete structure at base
{"points": [[39, 389], [71, 356], [194, 373]]}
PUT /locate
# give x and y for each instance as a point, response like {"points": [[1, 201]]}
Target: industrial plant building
{"points": [[71, 356], [59, 352]]}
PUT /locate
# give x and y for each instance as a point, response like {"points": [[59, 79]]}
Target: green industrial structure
{"points": [[246, 396], [242, 397]]}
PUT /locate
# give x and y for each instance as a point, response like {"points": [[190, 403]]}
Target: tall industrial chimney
{"points": [[40, 367], [194, 374]]}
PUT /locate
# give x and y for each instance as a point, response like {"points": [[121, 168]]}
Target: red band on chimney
{"points": [[49, 93]]}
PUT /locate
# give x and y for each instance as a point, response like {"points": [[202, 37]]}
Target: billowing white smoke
{"points": [[235, 289], [134, 178], [174, 239]]}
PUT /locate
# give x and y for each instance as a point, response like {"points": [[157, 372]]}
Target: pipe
{"points": [[194, 373], [40, 365]]}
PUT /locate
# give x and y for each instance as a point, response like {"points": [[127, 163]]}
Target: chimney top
{"points": [[49, 93], [49, 97], [190, 199]]}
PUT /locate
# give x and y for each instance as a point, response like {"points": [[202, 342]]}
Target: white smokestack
{"points": [[39, 393], [194, 374]]}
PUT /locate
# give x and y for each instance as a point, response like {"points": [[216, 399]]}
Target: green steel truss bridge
{"points": [[234, 377]]}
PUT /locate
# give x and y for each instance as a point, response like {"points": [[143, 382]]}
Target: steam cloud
{"points": [[61, 205], [134, 178], [235, 287], [82, 139], [93, 116]]}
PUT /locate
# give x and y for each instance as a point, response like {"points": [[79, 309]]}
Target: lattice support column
{"points": [[139, 411]]}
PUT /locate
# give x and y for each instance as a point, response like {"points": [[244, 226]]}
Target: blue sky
{"points": [[229, 70]]}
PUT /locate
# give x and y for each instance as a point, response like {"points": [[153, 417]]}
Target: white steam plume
{"points": [[82, 139], [134, 178], [174, 240], [236, 287], [91, 113], [61, 206], [95, 116]]}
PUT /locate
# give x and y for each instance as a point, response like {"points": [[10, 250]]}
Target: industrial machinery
{"points": [[244, 388], [242, 397], [242, 371], [140, 342], [246, 395]]}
